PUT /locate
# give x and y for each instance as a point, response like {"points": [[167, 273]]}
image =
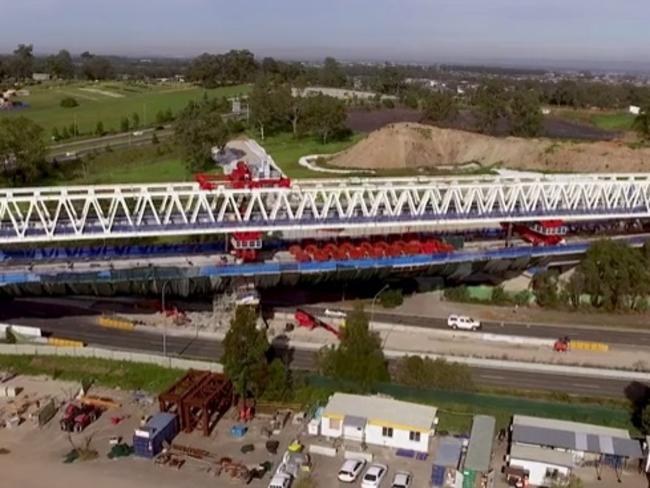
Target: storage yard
{"points": [[138, 440]]}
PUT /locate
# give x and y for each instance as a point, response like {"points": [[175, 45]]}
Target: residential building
{"points": [[379, 421], [548, 450], [41, 77]]}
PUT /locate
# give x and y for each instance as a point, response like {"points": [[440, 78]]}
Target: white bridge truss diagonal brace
{"points": [[123, 211]]}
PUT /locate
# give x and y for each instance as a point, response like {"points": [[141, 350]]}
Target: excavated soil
{"points": [[412, 145]]}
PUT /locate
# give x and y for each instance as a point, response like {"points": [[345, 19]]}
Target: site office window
{"points": [[414, 436], [387, 432]]}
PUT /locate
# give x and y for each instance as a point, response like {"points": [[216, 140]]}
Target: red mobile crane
{"points": [[305, 319]]}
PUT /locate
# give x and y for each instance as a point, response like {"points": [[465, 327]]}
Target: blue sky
{"points": [[419, 30]]}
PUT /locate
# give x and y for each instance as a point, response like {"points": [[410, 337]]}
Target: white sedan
{"points": [[402, 479], [351, 470], [463, 322], [374, 474]]}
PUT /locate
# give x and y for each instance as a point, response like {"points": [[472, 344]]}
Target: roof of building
{"points": [[577, 441], [448, 452], [382, 411], [159, 421], [479, 452], [570, 426], [541, 455]]}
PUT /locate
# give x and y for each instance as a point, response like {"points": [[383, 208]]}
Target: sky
{"points": [[569, 32]]}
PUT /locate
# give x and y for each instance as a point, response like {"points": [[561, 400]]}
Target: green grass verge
{"points": [[618, 121], [287, 150], [109, 102], [112, 374]]}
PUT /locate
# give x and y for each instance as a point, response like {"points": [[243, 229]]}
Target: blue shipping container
{"points": [[148, 440]]}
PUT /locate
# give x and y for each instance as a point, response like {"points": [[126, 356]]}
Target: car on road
{"points": [[70, 154], [463, 322], [280, 480], [138, 133], [374, 475], [351, 470], [402, 479], [335, 313]]}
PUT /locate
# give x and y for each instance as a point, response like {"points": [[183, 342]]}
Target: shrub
{"points": [[388, 103], [522, 298], [499, 296], [457, 294], [69, 102], [391, 298]]}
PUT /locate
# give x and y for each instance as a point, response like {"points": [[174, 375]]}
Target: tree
{"points": [[574, 288], [525, 114], [124, 124], [233, 67], [22, 62], [65, 133], [324, 115], [198, 129], [491, 105], [359, 357], [545, 288], [641, 122], [60, 65], [244, 355], [645, 419], [332, 74], [615, 275], [22, 149], [439, 107], [272, 107], [99, 129], [390, 80], [278, 387], [96, 67], [135, 117], [55, 134]]}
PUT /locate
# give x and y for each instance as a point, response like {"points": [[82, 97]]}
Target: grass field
{"points": [[618, 121], [109, 102], [286, 151], [113, 374]]}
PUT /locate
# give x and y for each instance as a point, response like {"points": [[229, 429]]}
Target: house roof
{"points": [[479, 452], [448, 452], [569, 426], [575, 436], [382, 411], [540, 455]]}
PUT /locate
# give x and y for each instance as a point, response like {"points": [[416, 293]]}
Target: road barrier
{"points": [[116, 323], [588, 346], [110, 354], [60, 342]]}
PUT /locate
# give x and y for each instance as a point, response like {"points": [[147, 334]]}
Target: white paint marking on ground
{"points": [[309, 162], [586, 385], [492, 376], [103, 92]]}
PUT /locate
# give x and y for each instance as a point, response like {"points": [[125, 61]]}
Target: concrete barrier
{"points": [[358, 455], [321, 450], [115, 323]]}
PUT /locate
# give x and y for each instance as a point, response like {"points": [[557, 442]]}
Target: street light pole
{"points": [[162, 301], [372, 306]]}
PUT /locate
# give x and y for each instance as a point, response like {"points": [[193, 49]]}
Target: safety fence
{"points": [[110, 354]]}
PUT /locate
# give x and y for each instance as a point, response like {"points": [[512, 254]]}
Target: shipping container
{"points": [[148, 440]]}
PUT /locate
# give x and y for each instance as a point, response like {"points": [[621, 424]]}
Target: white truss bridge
{"points": [[124, 211]]}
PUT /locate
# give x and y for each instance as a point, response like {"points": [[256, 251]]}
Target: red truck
{"points": [[77, 417]]}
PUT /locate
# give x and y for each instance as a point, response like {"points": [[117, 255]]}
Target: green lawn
{"points": [[603, 120], [113, 374], [109, 102], [286, 151]]}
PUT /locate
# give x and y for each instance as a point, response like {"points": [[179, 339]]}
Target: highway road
{"points": [[84, 329], [582, 333]]}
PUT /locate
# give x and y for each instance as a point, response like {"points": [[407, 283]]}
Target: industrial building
{"points": [[546, 451], [379, 421]]}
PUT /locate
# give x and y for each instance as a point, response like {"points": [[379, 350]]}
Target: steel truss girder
{"points": [[122, 211]]}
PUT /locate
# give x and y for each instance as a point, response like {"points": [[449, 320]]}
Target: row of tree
{"points": [[613, 275]]}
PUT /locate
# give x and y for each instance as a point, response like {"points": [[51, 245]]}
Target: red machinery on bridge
{"points": [[541, 233], [240, 178]]}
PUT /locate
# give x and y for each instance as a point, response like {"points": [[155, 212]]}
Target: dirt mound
{"points": [[410, 145]]}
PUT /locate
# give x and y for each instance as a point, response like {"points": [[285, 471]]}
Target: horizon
{"points": [[504, 33]]}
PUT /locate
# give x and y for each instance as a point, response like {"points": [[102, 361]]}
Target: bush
{"points": [[457, 294], [388, 103], [499, 296], [429, 373], [69, 102], [522, 298], [391, 298]]}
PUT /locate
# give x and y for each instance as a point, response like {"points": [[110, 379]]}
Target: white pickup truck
{"points": [[462, 322]]}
